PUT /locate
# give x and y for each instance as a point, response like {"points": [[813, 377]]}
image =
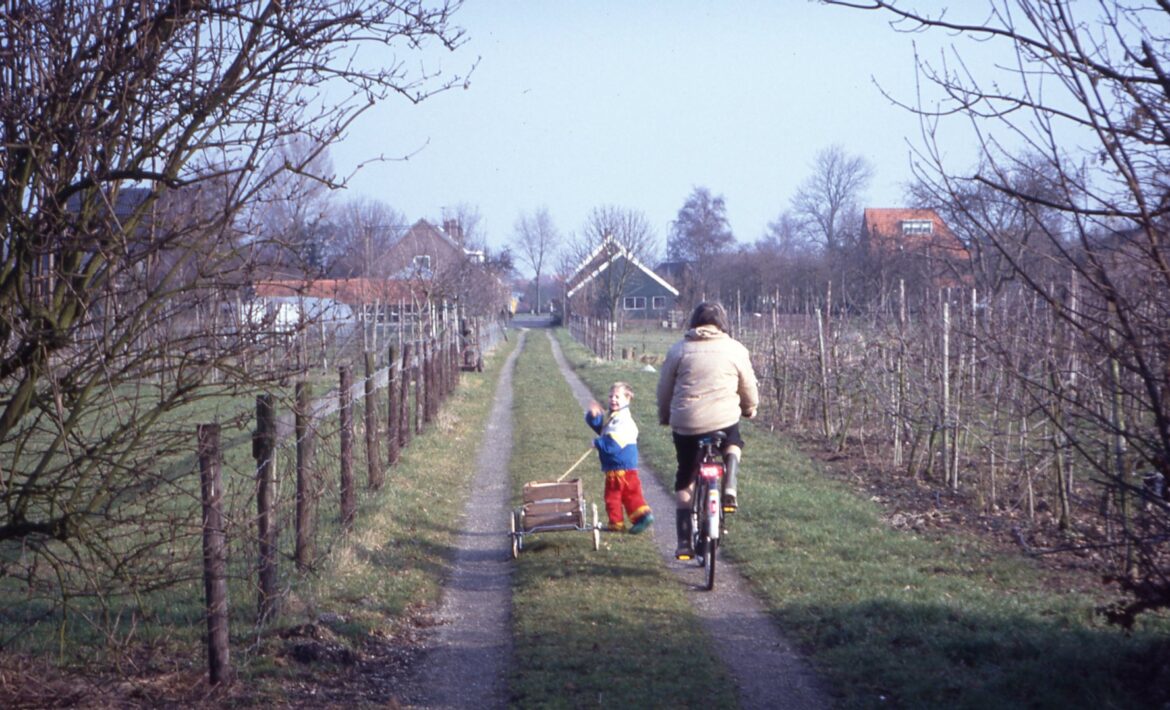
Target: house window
{"points": [[634, 303], [658, 303], [422, 262], [917, 226]]}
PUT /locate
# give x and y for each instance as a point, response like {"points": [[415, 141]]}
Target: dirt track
{"points": [[467, 658]]}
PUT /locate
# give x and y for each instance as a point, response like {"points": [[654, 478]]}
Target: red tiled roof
{"points": [[349, 291], [883, 225]]}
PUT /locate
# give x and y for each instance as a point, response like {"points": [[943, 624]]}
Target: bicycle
{"points": [[707, 505]]}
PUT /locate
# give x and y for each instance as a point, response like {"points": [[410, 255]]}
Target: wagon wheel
{"points": [[519, 531], [596, 530], [515, 537]]}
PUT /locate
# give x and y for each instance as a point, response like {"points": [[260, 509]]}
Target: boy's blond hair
{"points": [[625, 387]]}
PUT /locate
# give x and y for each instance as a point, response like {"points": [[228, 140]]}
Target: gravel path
{"points": [[767, 671], [467, 659]]}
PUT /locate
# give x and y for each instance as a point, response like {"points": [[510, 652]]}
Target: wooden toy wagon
{"points": [[552, 506]]}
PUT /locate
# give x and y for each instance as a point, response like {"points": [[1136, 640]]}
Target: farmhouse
{"points": [[430, 253], [612, 283], [914, 243]]}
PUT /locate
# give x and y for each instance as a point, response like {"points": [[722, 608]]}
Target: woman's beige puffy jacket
{"points": [[706, 383]]}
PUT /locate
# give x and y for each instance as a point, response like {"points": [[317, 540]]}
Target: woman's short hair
{"points": [[709, 313]]}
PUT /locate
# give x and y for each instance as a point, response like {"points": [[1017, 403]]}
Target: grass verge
{"points": [[371, 581], [368, 590], [894, 619]]}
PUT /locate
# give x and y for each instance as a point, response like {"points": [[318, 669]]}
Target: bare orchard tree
{"points": [[1087, 97], [135, 137], [536, 240]]}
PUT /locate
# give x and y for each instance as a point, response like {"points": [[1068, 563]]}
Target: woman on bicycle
{"points": [[706, 384]]}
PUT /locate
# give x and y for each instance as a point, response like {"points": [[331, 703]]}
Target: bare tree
{"points": [[616, 238], [699, 235], [1087, 99], [536, 240], [135, 140], [364, 230], [627, 227], [827, 202], [290, 208], [700, 230], [786, 235], [464, 225], [1002, 237]]}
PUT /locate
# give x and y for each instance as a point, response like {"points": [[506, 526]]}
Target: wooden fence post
{"points": [[264, 451], [444, 366], [373, 458], [392, 425], [305, 502], [419, 377], [214, 554], [345, 416], [429, 388], [404, 428], [826, 427]]}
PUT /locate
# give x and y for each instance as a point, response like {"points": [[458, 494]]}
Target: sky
{"points": [[575, 105]]}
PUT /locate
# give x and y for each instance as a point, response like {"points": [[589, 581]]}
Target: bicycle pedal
{"points": [[684, 558], [730, 508]]}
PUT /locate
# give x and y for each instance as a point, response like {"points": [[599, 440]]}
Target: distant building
{"points": [[915, 242], [427, 252], [288, 303], [613, 279]]}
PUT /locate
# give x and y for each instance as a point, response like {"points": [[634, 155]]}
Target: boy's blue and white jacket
{"points": [[617, 445]]}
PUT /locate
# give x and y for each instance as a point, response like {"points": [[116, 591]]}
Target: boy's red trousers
{"points": [[623, 488]]}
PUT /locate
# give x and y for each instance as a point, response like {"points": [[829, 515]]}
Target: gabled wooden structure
{"points": [[612, 277]]}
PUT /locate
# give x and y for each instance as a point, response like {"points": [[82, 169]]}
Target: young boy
{"points": [[617, 447]]}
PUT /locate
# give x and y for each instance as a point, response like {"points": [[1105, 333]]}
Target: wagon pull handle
{"points": [[583, 456]]}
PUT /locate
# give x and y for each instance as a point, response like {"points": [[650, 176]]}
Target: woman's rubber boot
{"points": [[730, 474], [682, 525]]}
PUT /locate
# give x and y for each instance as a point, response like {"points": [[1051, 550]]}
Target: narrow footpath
{"points": [[467, 658], [767, 670]]}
